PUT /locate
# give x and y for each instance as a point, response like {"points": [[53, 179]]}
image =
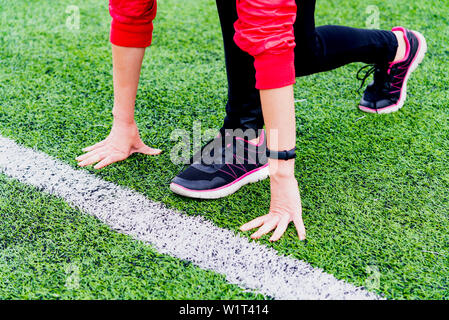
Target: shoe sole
{"points": [[251, 177], [422, 49]]}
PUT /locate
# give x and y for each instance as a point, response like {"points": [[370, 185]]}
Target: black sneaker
{"points": [[388, 92], [237, 163]]}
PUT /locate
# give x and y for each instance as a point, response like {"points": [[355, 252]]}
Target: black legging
{"points": [[317, 49]]}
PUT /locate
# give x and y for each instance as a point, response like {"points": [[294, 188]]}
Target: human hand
{"points": [[285, 207], [122, 141]]}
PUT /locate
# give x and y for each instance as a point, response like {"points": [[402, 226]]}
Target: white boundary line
{"points": [[247, 264]]}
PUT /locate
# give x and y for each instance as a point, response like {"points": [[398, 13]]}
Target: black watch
{"points": [[282, 155]]}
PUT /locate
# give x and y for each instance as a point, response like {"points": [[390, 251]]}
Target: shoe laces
{"points": [[385, 78]]}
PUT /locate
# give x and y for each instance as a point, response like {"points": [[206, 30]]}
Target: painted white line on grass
{"points": [[244, 263]]}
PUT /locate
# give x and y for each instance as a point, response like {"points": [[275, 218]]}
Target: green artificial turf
{"points": [[51, 251], [374, 188]]}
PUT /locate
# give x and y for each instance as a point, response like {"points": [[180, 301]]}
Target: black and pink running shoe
{"points": [[388, 92], [235, 163]]}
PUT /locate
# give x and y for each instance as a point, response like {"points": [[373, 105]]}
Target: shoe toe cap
{"points": [[376, 105]]}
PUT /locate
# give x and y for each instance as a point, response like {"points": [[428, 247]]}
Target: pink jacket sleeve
{"points": [[132, 22], [264, 29]]}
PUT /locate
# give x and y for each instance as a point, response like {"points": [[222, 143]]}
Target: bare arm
{"points": [[124, 138], [279, 115], [127, 63]]}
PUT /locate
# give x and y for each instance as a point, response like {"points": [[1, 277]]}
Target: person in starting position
{"points": [[268, 43]]}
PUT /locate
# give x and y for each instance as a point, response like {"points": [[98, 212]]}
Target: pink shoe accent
{"points": [[261, 140], [407, 43]]}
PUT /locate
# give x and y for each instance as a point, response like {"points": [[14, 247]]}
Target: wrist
{"points": [[123, 118], [282, 169], [123, 114]]}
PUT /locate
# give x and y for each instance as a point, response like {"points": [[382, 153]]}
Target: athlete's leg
{"points": [[243, 109], [394, 55], [328, 47]]}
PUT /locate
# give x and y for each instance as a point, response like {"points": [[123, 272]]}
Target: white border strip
{"points": [[191, 238]]}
